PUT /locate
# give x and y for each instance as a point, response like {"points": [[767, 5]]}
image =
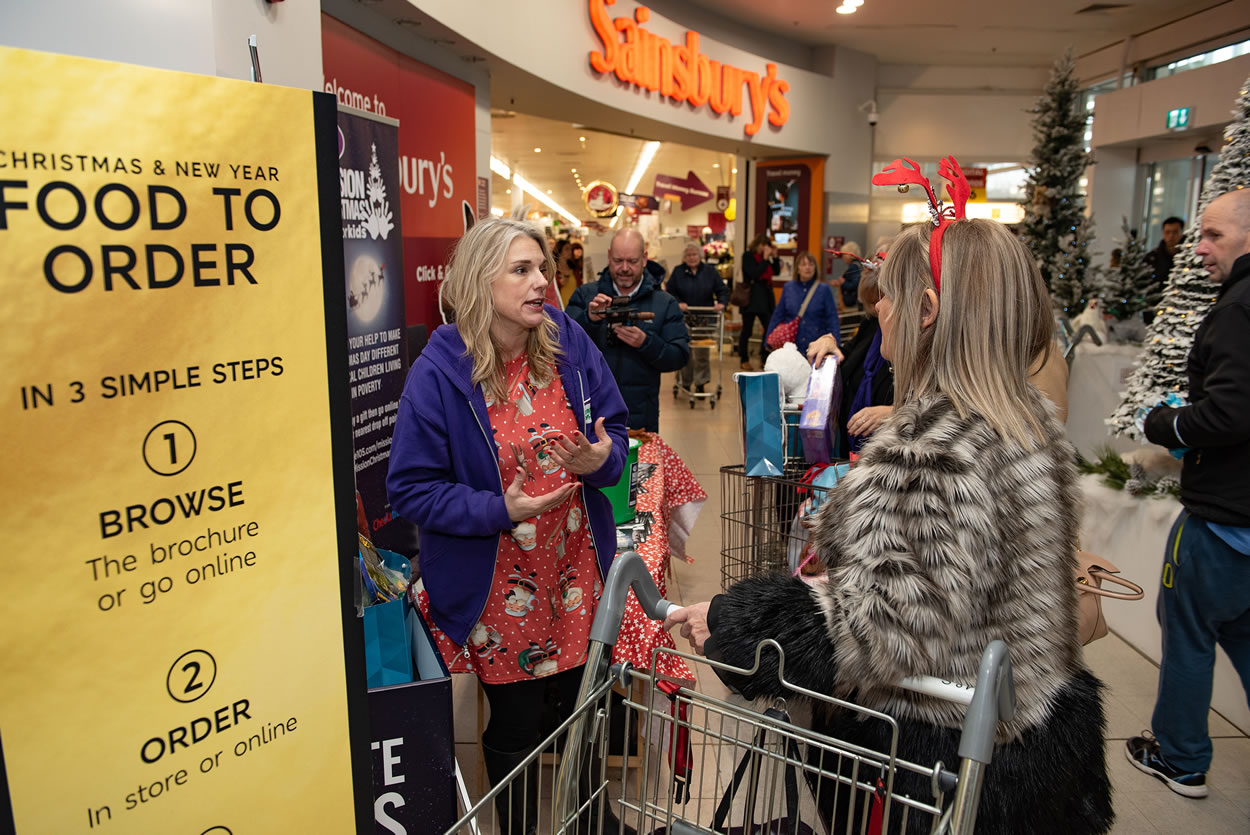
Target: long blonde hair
{"points": [[478, 260], [993, 320]]}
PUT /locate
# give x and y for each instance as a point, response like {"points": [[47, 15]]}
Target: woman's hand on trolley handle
{"points": [[522, 507], [694, 628]]}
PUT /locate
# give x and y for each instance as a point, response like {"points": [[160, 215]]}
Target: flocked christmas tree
{"points": [[1130, 285], [1055, 227], [1189, 291]]}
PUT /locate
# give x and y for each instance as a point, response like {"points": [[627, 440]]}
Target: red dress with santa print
{"points": [[546, 584]]}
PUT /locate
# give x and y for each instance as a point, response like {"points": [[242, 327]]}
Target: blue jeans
{"points": [[1204, 599]]}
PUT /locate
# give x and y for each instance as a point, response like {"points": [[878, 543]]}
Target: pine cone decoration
{"points": [[1168, 484], [1135, 486]]}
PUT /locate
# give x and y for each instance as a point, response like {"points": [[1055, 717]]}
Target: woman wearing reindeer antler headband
{"points": [[958, 527]]}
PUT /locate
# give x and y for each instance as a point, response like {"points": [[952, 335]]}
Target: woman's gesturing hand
{"points": [[522, 507], [578, 455]]}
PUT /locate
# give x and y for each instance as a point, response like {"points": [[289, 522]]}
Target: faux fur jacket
{"points": [[945, 537]]}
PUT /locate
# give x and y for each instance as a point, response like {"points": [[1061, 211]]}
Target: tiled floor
{"points": [[708, 438]]}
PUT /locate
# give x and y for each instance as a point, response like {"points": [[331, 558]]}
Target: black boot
{"points": [[517, 804]]}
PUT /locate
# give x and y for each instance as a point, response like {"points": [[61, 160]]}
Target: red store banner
{"points": [[437, 162]]}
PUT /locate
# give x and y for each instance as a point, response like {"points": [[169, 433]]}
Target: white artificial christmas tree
{"points": [[1055, 227], [1130, 286], [1189, 292]]}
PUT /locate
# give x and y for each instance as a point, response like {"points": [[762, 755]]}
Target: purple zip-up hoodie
{"points": [[444, 467]]}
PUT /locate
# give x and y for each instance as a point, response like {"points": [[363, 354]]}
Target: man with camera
{"points": [[639, 328]]}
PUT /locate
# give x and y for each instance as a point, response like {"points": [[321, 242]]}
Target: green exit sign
{"points": [[1178, 119]]}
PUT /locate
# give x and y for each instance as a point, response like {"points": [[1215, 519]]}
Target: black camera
{"points": [[621, 312]]}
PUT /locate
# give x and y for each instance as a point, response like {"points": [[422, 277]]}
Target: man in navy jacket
{"points": [[637, 354]]}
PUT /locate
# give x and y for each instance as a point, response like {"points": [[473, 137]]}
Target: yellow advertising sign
{"points": [[173, 643]]}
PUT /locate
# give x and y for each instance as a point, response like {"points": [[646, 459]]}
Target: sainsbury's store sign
{"points": [[680, 72]]}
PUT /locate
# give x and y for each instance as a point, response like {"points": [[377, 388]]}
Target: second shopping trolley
{"points": [[707, 341]]}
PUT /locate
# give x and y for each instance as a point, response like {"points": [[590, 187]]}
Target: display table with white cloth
{"points": [[1132, 532], [1096, 380]]}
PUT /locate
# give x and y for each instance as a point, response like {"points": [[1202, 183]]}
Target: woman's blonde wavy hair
{"points": [[994, 319], [478, 260]]}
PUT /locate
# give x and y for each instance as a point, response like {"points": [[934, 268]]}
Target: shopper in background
{"points": [[636, 353], [577, 264], [696, 284], [848, 282], [509, 425], [958, 527], [821, 316], [1204, 598], [1161, 257], [568, 277], [760, 266], [867, 379]]}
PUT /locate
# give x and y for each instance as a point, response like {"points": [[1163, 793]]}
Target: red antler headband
{"points": [[905, 173]]}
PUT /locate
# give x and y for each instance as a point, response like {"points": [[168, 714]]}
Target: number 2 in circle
{"points": [[191, 676], [192, 683]]}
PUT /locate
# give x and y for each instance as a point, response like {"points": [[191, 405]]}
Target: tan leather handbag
{"points": [[1091, 572]]}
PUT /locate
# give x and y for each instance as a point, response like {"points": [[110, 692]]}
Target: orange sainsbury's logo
{"points": [[680, 72]]}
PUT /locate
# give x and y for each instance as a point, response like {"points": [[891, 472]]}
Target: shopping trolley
{"points": [[730, 765], [707, 332], [761, 527]]}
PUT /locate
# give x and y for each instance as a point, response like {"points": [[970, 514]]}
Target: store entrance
{"points": [[581, 186]]}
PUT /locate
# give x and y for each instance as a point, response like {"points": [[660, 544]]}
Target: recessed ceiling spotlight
{"points": [[716, 165], [734, 171], [845, 10], [574, 170], [538, 150], [507, 191], [581, 139], [549, 191]]}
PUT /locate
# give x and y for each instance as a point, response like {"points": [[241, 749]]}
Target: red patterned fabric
{"points": [[547, 584], [668, 499]]}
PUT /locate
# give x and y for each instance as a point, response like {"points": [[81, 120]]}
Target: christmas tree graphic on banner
{"points": [[378, 222], [1189, 292]]}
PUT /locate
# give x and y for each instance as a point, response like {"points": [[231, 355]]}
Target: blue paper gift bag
{"points": [[763, 441], [388, 638], [388, 644]]}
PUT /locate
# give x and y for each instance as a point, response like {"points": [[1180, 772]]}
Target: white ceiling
{"points": [[603, 156], [958, 32]]}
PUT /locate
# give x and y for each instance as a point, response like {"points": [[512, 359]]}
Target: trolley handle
{"points": [[690, 308], [627, 571], [994, 701]]}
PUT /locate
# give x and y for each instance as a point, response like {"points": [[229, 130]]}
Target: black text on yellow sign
{"points": [[175, 617]]}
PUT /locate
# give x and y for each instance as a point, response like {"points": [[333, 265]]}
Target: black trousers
{"points": [[522, 713], [748, 325]]}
